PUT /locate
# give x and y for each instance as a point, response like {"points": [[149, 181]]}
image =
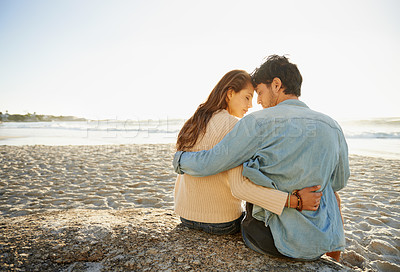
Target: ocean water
{"points": [[379, 137], [103, 132]]}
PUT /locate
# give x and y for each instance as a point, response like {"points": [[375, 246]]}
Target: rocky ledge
{"points": [[129, 240]]}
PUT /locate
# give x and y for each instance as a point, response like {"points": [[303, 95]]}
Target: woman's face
{"points": [[240, 102]]}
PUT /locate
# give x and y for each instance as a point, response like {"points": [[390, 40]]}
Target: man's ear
{"points": [[276, 84]]}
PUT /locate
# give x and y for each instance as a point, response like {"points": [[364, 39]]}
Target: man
{"points": [[285, 146]]}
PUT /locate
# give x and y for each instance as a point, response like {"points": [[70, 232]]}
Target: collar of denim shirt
{"points": [[293, 102]]}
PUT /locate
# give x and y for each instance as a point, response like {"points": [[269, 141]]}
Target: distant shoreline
{"points": [[33, 117]]}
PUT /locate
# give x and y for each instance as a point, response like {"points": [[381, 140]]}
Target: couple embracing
{"points": [[286, 161]]}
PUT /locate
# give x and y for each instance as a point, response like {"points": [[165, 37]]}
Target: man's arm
{"points": [[342, 171], [236, 147]]}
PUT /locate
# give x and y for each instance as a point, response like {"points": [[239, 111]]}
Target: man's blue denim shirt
{"points": [[285, 147]]}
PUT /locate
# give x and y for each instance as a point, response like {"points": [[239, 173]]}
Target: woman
{"points": [[213, 203]]}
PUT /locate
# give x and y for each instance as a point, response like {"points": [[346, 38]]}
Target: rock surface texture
{"points": [[139, 239]]}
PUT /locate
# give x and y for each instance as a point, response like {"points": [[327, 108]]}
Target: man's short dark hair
{"points": [[280, 67]]}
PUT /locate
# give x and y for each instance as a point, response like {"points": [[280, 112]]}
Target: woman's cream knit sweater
{"points": [[216, 199]]}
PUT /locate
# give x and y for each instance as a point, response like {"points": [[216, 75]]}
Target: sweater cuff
{"points": [[176, 162]]}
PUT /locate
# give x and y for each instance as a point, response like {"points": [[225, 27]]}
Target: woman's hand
{"points": [[310, 198]]}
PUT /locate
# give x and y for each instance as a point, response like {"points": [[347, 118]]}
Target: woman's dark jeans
{"points": [[231, 227]]}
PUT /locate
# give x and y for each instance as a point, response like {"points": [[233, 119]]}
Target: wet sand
{"points": [[37, 179]]}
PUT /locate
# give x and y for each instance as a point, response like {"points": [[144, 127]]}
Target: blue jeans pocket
{"points": [[214, 228]]}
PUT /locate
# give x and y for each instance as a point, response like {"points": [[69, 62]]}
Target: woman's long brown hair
{"points": [[195, 127]]}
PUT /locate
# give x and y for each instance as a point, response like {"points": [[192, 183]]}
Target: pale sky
{"points": [[161, 59]]}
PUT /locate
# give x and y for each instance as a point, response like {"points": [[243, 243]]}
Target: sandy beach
{"points": [[40, 185]]}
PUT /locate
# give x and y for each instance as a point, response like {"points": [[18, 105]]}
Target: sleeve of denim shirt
{"points": [[342, 171], [235, 148]]}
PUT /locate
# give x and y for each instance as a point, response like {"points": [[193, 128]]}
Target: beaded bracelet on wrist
{"points": [[299, 200]]}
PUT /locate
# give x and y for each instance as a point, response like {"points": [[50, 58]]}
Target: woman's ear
{"points": [[229, 94]]}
